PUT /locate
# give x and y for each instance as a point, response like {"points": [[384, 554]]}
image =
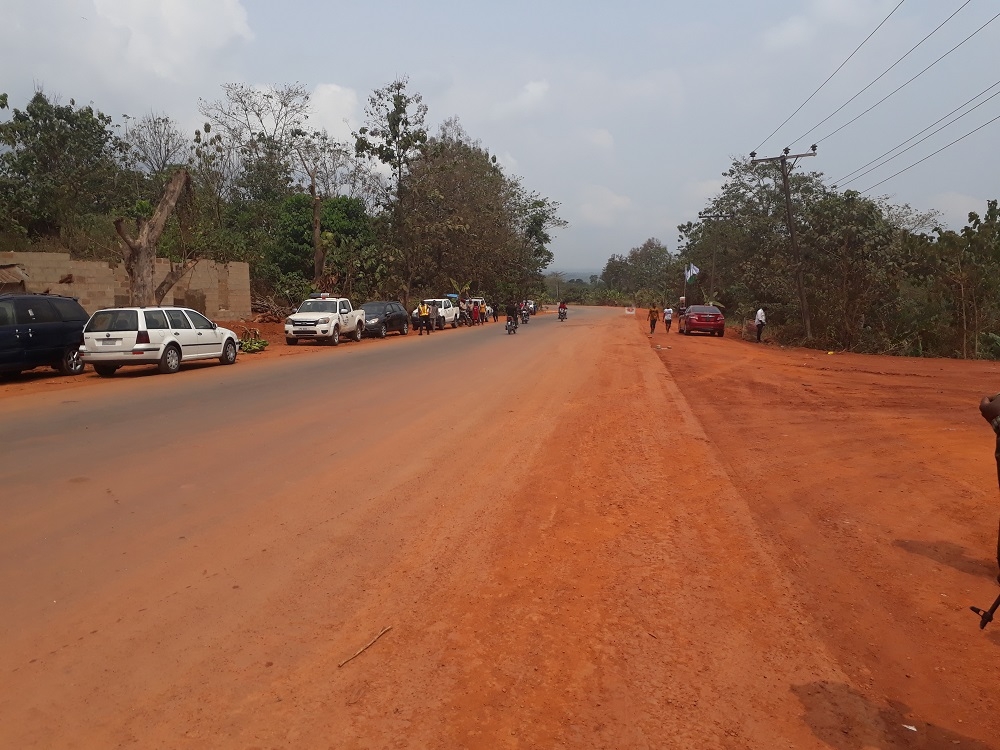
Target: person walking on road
{"points": [[761, 321], [424, 314], [654, 315], [668, 318], [989, 407]]}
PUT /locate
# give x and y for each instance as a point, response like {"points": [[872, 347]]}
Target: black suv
{"points": [[40, 330]]}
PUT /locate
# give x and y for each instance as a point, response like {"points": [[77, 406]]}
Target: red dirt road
{"points": [[711, 545]]}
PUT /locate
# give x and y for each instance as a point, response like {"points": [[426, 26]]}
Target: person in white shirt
{"points": [[668, 316], [761, 321]]}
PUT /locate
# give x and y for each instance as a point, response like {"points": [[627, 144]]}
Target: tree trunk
{"points": [[140, 251], [176, 273], [319, 252]]}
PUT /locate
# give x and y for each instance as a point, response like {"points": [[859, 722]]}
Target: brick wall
{"points": [[221, 292]]}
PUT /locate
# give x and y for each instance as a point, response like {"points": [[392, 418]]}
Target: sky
{"points": [[625, 113]]}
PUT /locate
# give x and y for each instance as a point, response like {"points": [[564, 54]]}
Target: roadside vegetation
{"points": [[398, 213], [877, 277]]}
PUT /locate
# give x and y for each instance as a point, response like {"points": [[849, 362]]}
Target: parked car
{"points": [[163, 336], [702, 318], [532, 306], [40, 330], [382, 317], [447, 312], [324, 318]]}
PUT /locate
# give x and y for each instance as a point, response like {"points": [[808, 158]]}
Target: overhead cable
{"points": [[904, 85], [832, 75], [845, 181], [883, 73], [933, 154]]}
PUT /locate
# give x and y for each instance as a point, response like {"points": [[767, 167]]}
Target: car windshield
{"points": [[704, 309], [318, 305], [373, 308]]}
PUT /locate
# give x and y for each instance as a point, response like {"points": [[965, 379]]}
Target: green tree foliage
{"points": [[264, 186], [647, 275], [58, 167], [877, 279], [394, 132]]}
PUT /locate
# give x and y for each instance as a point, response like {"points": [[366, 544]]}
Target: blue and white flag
{"points": [[692, 271]]}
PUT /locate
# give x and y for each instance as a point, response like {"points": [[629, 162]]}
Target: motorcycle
{"points": [[562, 313], [511, 325], [524, 315]]}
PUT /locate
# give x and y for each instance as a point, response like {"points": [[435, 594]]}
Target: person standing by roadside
{"points": [[435, 314], [989, 407], [496, 313], [475, 313], [761, 321], [424, 316], [668, 318], [654, 315]]}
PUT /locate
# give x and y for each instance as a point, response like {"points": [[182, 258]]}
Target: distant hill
{"points": [[584, 274]]}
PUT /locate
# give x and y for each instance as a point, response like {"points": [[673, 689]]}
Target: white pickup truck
{"points": [[325, 318], [447, 313]]}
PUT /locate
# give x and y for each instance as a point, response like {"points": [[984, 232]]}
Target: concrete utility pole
{"points": [[703, 217], [786, 168]]}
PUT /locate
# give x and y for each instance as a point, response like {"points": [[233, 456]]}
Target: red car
{"points": [[703, 318]]}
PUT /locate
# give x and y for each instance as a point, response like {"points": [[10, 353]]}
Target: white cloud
{"points": [[171, 38], [599, 138], [955, 208], [601, 206], [336, 109], [528, 99], [699, 193], [796, 31]]}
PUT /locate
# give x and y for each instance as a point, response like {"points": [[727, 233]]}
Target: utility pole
{"points": [[786, 168], [703, 216]]}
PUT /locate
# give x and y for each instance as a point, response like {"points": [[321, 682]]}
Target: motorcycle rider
{"points": [[562, 307], [512, 313]]}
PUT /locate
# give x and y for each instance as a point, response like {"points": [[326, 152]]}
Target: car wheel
{"points": [[10, 375], [358, 332], [170, 360], [335, 336], [105, 371], [406, 328], [722, 333], [454, 323], [382, 331], [228, 353], [290, 341], [71, 362]]}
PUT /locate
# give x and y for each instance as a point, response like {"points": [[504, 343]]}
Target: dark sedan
{"points": [[382, 317], [702, 319]]}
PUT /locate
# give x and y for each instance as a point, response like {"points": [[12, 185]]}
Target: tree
{"points": [[394, 131], [140, 250], [59, 166], [156, 143]]}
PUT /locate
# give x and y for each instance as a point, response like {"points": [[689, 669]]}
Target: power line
{"points": [[904, 85], [841, 182], [933, 154], [833, 74], [883, 73]]}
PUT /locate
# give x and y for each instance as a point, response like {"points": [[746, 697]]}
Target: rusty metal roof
{"points": [[12, 274]]}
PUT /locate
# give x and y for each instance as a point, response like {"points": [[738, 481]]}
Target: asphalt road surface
{"points": [[575, 539]]}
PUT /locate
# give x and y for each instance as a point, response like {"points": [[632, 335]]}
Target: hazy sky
{"points": [[627, 113]]}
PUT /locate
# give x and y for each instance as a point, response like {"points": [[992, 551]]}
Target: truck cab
{"points": [[324, 318]]}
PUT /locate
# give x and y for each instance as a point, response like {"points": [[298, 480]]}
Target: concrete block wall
{"points": [[220, 291]]}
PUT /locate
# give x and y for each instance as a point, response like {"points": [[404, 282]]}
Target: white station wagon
{"points": [[162, 336]]}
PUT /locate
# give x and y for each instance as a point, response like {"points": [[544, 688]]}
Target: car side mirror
{"points": [[214, 326]]}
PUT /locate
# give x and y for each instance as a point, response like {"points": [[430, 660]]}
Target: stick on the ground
{"points": [[385, 630]]}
